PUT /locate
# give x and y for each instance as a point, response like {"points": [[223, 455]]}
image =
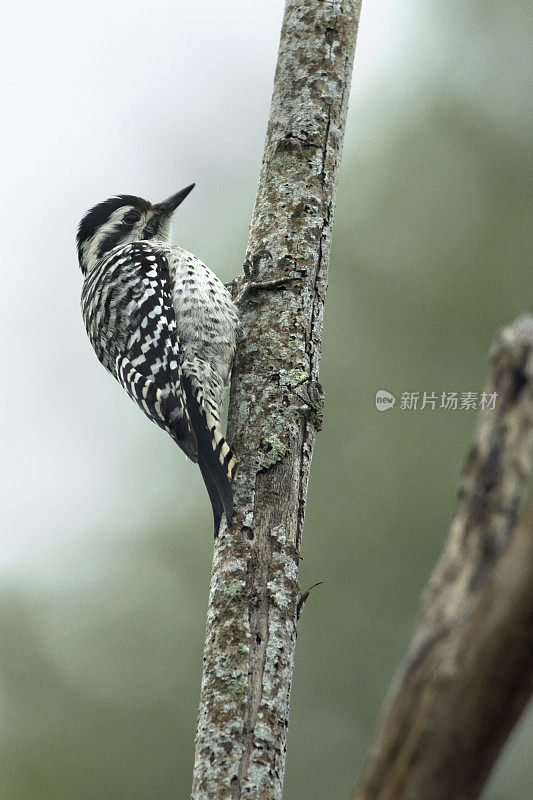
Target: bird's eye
{"points": [[131, 217]]}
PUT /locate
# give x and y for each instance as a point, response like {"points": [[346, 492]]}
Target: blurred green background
{"points": [[106, 550]]}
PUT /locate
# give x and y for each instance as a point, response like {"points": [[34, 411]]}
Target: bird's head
{"points": [[123, 219]]}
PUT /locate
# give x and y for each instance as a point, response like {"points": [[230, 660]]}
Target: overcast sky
{"points": [[119, 97], [101, 99]]}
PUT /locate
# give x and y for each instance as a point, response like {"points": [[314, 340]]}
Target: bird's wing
{"points": [[148, 362]]}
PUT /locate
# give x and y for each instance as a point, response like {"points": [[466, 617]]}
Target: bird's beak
{"points": [[167, 207]]}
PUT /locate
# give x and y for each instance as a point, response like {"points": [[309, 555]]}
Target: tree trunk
{"points": [[275, 412], [469, 672]]}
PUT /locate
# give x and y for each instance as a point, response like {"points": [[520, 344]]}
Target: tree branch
{"points": [[251, 620], [468, 674]]}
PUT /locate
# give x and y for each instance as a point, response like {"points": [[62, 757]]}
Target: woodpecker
{"points": [[164, 326]]}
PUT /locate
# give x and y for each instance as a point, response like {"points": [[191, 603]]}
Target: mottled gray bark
{"points": [[275, 412], [469, 672]]}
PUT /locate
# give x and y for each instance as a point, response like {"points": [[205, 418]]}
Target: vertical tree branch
{"points": [[275, 412]]}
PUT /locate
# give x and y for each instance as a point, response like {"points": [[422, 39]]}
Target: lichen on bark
{"points": [[275, 412]]}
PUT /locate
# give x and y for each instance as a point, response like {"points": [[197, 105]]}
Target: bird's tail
{"points": [[215, 458]]}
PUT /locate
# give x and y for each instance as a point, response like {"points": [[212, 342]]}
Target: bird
{"points": [[163, 324]]}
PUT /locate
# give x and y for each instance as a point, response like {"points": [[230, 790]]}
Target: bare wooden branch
{"points": [[275, 411], [468, 674]]}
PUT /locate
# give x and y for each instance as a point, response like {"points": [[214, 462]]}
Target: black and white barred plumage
{"points": [[164, 326]]}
